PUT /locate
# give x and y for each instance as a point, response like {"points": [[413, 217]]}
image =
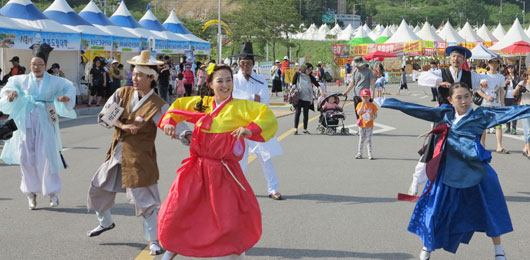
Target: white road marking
{"points": [[381, 128]]}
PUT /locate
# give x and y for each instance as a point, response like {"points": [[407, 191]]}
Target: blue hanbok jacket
{"points": [[464, 167]]}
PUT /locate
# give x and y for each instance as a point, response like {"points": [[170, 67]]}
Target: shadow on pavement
{"points": [[327, 254], [517, 199], [6, 199], [136, 245], [122, 209], [327, 198]]}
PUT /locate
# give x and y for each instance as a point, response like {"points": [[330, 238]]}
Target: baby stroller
{"points": [[330, 119]]}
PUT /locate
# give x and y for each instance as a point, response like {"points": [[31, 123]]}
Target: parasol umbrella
{"points": [[517, 48], [520, 47], [378, 56]]}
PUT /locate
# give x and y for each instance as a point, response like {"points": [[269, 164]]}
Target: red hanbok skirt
{"points": [[211, 210]]}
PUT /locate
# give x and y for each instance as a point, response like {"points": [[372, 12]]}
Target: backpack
{"points": [[294, 95]]}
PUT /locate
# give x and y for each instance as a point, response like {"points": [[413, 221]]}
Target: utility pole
{"points": [[219, 34]]}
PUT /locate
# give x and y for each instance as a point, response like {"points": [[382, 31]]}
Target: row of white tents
{"points": [[22, 24], [407, 33]]}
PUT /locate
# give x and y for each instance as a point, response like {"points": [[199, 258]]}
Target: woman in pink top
{"points": [[189, 79]]}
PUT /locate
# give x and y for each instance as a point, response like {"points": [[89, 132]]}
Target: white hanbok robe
{"points": [[434, 78], [37, 142], [246, 89]]}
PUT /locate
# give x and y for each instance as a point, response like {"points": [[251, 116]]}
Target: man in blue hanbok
{"points": [[34, 102]]}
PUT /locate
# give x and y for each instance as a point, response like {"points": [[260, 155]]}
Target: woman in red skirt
{"points": [[211, 210]]}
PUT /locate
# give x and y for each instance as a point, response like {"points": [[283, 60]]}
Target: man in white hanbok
{"points": [[251, 86], [34, 102]]}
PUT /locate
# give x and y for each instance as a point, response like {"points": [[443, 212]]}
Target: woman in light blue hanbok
{"points": [[463, 194], [34, 102]]}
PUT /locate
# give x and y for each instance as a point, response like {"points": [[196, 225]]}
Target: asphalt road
{"points": [[336, 207]]}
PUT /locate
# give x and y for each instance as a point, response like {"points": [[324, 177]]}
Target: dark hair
{"points": [[305, 67], [218, 67], [120, 66], [180, 76], [457, 85]]}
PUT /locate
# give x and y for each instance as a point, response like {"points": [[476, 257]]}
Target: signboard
{"points": [[201, 48], [125, 44], [264, 69], [96, 42], [328, 18], [289, 75], [20, 39], [171, 47]]}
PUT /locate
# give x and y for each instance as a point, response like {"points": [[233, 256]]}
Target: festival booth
{"points": [[92, 38], [333, 33], [125, 45], [321, 34], [174, 44], [66, 42], [514, 35], [198, 45], [123, 18], [480, 52], [433, 44], [361, 38], [12, 33], [470, 36], [384, 36]]}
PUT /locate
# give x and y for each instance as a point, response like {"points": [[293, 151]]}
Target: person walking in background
{"points": [[201, 77], [163, 82], [98, 82], [284, 67], [34, 101], [434, 90], [304, 81], [509, 99], [362, 78], [367, 112], [189, 79], [403, 82], [179, 86], [522, 92], [493, 94], [276, 73], [116, 75]]}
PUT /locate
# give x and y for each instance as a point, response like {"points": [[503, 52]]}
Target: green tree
{"points": [[264, 22]]}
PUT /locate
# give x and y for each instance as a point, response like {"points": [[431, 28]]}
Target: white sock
{"points": [[499, 250], [424, 254]]}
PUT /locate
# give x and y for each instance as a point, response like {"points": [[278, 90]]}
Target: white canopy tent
{"points": [[123, 18], [468, 34], [346, 34], [515, 34], [150, 22], [9, 42], [449, 35], [427, 33], [485, 34], [335, 30], [480, 52], [499, 32], [403, 34], [26, 13], [173, 24]]}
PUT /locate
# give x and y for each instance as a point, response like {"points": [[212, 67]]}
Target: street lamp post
{"points": [[219, 34]]}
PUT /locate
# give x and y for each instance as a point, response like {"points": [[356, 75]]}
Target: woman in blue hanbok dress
{"points": [[463, 195]]}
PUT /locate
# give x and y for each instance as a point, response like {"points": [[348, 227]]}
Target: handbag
{"points": [[477, 99]]}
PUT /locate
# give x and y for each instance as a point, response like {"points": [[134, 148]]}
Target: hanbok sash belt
{"points": [[434, 164], [196, 157]]}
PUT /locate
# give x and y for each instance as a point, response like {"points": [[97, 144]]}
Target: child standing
{"points": [[380, 86], [463, 194], [179, 86], [367, 112]]}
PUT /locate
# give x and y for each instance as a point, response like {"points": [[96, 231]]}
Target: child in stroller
{"points": [[331, 115]]}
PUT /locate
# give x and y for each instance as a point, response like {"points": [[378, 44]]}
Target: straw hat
{"points": [[144, 59]]}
